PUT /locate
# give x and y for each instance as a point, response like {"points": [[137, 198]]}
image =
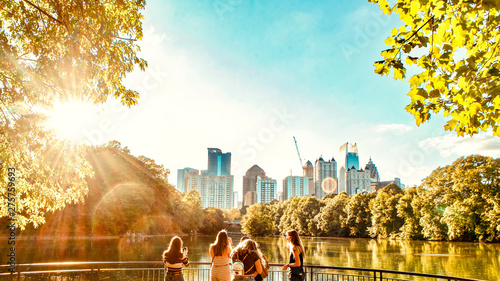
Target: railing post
{"points": [[311, 268], [18, 275]]}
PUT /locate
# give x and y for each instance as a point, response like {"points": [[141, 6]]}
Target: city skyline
{"points": [[248, 76], [316, 181]]}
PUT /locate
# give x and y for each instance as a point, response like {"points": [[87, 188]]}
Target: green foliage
{"points": [[213, 221], [465, 195], [49, 174], [299, 214], [458, 47], [54, 51], [190, 210], [359, 216], [233, 214], [259, 220], [278, 210], [385, 219], [409, 211]]}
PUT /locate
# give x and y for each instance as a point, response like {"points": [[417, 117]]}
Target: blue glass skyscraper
{"points": [[352, 160], [219, 164]]}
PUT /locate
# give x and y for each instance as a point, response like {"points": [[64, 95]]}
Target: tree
{"points": [[359, 216], [213, 220], [233, 214], [331, 218], [191, 210], [409, 211], [458, 47], [463, 198], [55, 51], [385, 220], [259, 220], [299, 213]]}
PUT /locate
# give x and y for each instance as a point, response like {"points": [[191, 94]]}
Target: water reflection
{"points": [[472, 260]]}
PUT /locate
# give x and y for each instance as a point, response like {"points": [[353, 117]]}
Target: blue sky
{"points": [[246, 76]]}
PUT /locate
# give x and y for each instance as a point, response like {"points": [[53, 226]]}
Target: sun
{"points": [[70, 120]]}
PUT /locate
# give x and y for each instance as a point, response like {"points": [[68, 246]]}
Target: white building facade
{"points": [[215, 191], [358, 181], [325, 170]]}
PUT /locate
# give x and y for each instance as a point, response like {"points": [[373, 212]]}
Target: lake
{"points": [[474, 260]]}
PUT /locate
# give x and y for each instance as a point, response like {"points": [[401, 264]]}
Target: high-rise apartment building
{"points": [[181, 178], [215, 191], [295, 186], [325, 177], [266, 189], [215, 184], [250, 184]]}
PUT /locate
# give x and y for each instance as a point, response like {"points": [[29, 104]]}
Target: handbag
{"points": [[265, 269]]}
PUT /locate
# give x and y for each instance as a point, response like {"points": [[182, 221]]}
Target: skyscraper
{"points": [[325, 177], [308, 171], [219, 164], [266, 189], [296, 186], [215, 184], [215, 191], [373, 171], [181, 178], [250, 184], [349, 158], [352, 159]]}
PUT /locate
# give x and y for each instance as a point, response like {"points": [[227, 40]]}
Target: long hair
{"points": [[295, 241], [174, 254], [254, 246], [245, 247], [220, 244]]}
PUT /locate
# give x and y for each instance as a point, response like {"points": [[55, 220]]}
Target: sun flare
{"points": [[70, 120]]}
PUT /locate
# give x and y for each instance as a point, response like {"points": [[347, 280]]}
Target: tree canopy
{"points": [[57, 51], [455, 46]]}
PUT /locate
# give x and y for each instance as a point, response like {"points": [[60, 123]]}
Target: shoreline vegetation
{"points": [[130, 194]]}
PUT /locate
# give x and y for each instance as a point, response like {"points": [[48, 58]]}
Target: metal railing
{"points": [[197, 271]]}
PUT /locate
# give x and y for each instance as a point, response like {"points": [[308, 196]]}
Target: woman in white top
{"points": [[220, 251], [174, 258]]}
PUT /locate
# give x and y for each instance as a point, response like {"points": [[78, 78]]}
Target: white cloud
{"points": [[397, 128], [484, 144]]}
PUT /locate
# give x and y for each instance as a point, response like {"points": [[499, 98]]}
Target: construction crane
{"points": [[296, 146]]}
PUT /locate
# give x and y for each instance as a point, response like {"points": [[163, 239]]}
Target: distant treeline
{"points": [[459, 202], [129, 194]]}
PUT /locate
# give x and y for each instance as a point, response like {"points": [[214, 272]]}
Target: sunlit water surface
{"points": [[474, 260]]}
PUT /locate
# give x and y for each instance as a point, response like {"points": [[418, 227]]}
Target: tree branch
{"points": [[127, 39], [43, 12]]}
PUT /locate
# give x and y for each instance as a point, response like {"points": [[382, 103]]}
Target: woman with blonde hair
{"points": [[220, 251], [248, 253], [297, 252], [174, 258]]}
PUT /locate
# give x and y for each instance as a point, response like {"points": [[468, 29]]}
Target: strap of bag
{"points": [[250, 267]]}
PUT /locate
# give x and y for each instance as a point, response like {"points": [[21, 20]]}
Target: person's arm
{"points": [[296, 257], [185, 260]]}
